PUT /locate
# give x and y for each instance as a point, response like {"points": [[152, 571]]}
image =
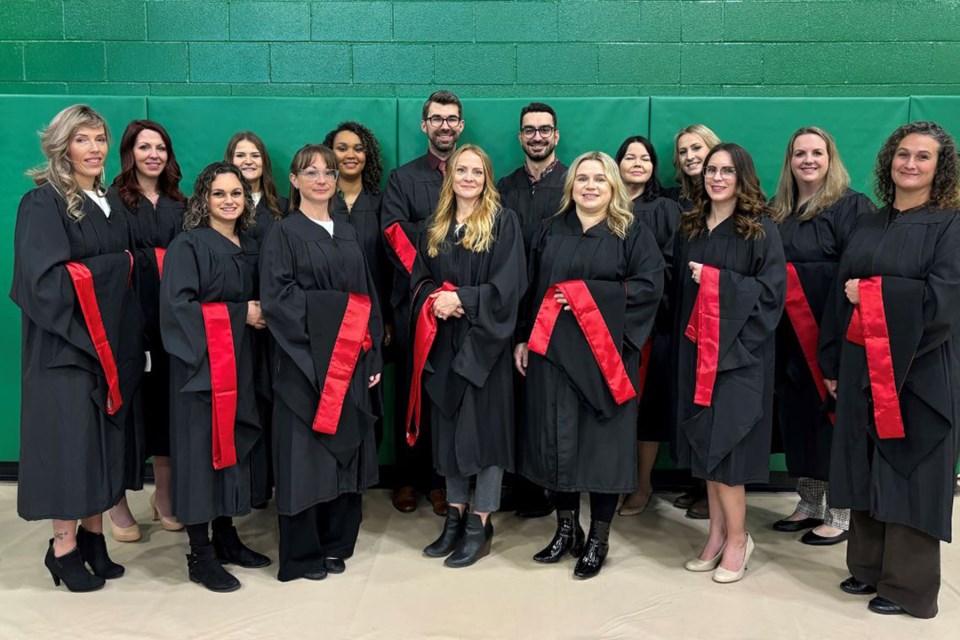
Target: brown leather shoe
{"points": [[438, 498], [699, 510], [405, 500]]}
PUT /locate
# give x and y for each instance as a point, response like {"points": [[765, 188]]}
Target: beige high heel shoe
{"points": [[124, 534], [725, 576], [696, 564], [167, 523]]}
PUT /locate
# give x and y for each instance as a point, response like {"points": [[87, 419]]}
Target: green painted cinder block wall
{"points": [[481, 48]]}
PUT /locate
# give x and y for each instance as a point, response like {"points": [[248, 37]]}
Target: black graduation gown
{"points": [[202, 266], [305, 277], [265, 219], [661, 215], [572, 441], [74, 456], [533, 203], [673, 193], [729, 441], [154, 227], [814, 248], [365, 218], [468, 375], [906, 480]]}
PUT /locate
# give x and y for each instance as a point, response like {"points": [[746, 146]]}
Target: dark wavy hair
{"points": [[373, 168], [945, 190], [268, 186], [653, 189], [301, 160], [126, 183], [751, 201], [198, 211]]}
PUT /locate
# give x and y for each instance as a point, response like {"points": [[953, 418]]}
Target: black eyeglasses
{"points": [[545, 131], [437, 121]]}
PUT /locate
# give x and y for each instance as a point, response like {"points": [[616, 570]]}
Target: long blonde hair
{"points": [[689, 185], [478, 234], [835, 183], [620, 209], [58, 170]]}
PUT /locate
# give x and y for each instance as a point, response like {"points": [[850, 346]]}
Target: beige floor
{"points": [[391, 591]]}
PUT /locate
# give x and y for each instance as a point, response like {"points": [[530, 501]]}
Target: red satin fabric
{"points": [[594, 329], [426, 331], [353, 336], [223, 382], [644, 365], [401, 245], [704, 330], [868, 327], [805, 326], [90, 308], [160, 255]]}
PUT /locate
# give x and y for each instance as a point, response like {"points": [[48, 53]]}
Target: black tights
{"points": [[199, 534], [602, 505]]}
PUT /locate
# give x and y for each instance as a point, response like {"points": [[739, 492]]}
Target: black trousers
{"points": [[325, 530], [602, 505], [900, 561]]}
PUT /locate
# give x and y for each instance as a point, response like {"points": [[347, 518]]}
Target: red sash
{"points": [[805, 326], [401, 245], [160, 255], [353, 336], [223, 382], [644, 365], [426, 331], [594, 329], [90, 308], [868, 328], [704, 330]]}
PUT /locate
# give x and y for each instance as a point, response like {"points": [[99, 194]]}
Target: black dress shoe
{"points": [[476, 543], [316, 574], [595, 553], [854, 587], [450, 536], [793, 526], [229, 548], [883, 606], [334, 565], [93, 550], [569, 538], [71, 570], [204, 568], [816, 540]]}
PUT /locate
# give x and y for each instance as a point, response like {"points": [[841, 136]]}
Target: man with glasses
{"points": [[533, 191], [410, 198]]}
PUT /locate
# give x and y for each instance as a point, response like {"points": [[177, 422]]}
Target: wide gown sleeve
{"points": [[395, 210], [643, 286]]}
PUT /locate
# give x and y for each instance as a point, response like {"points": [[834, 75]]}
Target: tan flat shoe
{"points": [[167, 523], [725, 576], [124, 534]]}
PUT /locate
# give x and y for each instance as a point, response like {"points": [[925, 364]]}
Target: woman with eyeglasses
{"points": [[597, 277], [889, 352], [320, 303], [816, 212], [637, 161], [730, 278]]}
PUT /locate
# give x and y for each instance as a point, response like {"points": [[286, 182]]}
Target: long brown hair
{"points": [[620, 209], [689, 185], [478, 228], [301, 160], [126, 182], [751, 201], [835, 183], [268, 186], [945, 190], [198, 210]]}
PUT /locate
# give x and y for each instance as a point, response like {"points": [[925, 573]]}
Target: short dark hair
{"points": [[442, 97], [538, 107]]}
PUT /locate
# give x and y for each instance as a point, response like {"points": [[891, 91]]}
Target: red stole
{"points": [[805, 326], [401, 245], [223, 382], [704, 330]]}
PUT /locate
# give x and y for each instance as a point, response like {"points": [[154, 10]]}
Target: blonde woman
{"points": [[82, 352], [690, 146], [597, 277], [466, 286]]}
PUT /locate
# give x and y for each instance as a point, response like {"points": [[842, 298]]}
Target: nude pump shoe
{"points": [[725, 576], [167, 523]]}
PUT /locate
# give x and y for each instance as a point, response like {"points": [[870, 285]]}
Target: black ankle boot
{"points": [[450, 537], [93, 550], [476, 542], [206, 569], [229, 548], [71, 570], [593, 556], [568, 538]]}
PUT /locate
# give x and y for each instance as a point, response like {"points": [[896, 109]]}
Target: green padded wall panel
{"points": [[23, 117], [944, 110], [585, 124], [764, 125]]}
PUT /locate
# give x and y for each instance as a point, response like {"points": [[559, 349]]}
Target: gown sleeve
{"points": [[399, 231], [528, 302], [643, 286]]}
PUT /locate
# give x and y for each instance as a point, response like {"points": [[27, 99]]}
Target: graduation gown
{"points": [[577, 435], [365, 218], [813, 248], [725, 394], [468, 374], [655, 424], [307, 278], [895, 444], [533, 203], [77, 421], [673, 193], [203, 267]]}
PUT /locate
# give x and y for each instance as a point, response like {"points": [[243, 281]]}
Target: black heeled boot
{"points": [[205, 569], [229, 548], [593, 556], [93, 550], [476, 542], [71, 570], [568, 538], [450, 537]]}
